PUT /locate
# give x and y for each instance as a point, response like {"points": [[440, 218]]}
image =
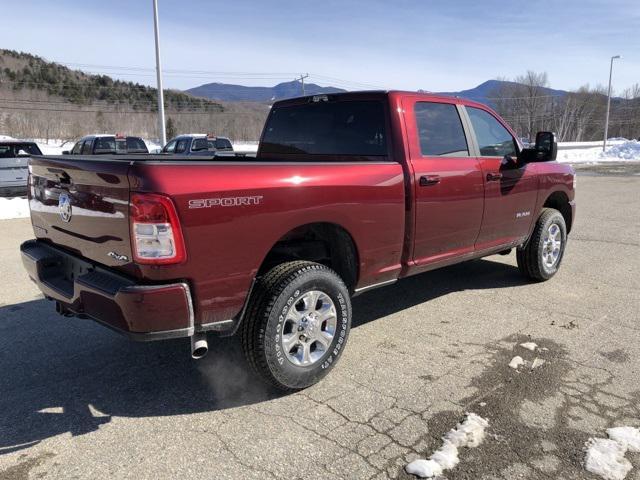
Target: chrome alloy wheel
{"points": [[309, 328], [552, 246]]}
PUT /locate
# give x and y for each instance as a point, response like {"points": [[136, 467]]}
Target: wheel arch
{"points": [[326, 243], [559, 200]]}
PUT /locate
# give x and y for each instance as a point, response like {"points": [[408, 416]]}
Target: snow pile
{"points": [[591, 152], [245, 147], [13, 208], [470, 433], [6, 137], [516, 362], [629, 150], [605, 457]]}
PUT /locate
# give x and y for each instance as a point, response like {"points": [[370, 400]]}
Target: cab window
{"points": [[440, 130], [170, 147], [493, 139], [199, 144], [86, 147], [76, 148], [181, 146]]}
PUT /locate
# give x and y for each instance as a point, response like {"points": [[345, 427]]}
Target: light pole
{"points": [[161, 124], [606, 123]]}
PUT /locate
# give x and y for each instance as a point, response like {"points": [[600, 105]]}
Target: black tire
{"points": [[273, 295], [530, 257]]}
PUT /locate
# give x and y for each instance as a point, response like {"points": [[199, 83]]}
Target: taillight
{"points": [[156, 236]]}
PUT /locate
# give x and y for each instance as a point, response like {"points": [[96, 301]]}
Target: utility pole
{"points": [[302, 77], [606, 123], [161, 124]]}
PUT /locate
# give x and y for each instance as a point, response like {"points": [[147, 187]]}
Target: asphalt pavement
{"points": [[79, 401]]}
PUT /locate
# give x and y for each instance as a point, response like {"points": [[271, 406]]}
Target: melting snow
{"points": [[605, 457], [516, 362], [538, 362], [529, 346], [470, 433], [628, 436], [13, 208]]}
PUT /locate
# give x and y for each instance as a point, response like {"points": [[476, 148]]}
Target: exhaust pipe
{"points": [[199, 345]]}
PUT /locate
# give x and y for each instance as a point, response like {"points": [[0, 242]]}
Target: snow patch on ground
{"points": [[538, 362], [245, 147], [628, 436], [516, 362], [6, 137], [529, 346], [13, 208], [605, 456], [470, 433]]}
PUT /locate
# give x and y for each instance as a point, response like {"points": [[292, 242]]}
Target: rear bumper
{"points": [[85, 289]]}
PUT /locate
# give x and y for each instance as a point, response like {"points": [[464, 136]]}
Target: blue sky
{"points": [[430, 44]]}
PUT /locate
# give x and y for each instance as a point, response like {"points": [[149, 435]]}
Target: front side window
{"points": [[86, 147], [181, 146], [493, 139], [327, 128], [170, 147], [440, 130], [76, 148]]}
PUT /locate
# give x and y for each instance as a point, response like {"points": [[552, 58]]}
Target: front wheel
{"points": [[297, 324], [541, 256]]}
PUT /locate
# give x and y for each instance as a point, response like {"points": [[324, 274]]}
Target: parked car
{"points": [[199, 144], [14, 155], [349, 192], [107, 145]]}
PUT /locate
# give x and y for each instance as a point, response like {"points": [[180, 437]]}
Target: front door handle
{"points": [[494, 176], [428, 180]]}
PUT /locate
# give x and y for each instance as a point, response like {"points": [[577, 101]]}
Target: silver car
{"points": [[14, 156]]}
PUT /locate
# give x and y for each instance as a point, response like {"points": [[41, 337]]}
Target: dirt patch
{"points": [[22, 470]]}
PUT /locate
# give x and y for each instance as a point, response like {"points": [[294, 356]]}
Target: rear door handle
{"points": [[428, 180], [493, 176]]}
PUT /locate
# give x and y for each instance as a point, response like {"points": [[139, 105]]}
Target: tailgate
{"points": [[13, 171], [82, 205]]}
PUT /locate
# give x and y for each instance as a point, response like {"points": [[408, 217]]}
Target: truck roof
{"points": [[372, 94]]}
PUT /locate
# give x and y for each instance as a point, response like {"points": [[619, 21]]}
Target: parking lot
{"points": [[78, 401]]}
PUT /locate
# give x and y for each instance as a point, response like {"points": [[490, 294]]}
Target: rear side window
{"points": [[327, 128], [440, 130], [105, 145], [136, 145], [493, 139], [6, 151], [181, 146]]}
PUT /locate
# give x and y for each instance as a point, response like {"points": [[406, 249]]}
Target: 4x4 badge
{"points": [[64, 207]]}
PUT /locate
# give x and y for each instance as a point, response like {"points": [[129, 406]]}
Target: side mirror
{"points": [[66, 152], [546, 146]]}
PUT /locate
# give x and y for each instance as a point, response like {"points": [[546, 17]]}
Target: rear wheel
{"points": [[541, 256], [297, 324]]}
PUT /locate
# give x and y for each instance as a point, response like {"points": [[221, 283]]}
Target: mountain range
{"points": [[240, 93], [483, 93]]}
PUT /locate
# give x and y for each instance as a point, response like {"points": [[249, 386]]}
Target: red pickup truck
{"points": [[348, 192]]}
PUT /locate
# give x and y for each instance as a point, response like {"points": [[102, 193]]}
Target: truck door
{"points": [[510, 188], [448, 182]]}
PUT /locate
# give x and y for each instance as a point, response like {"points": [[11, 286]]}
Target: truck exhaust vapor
{"points": [[199, 346]]}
